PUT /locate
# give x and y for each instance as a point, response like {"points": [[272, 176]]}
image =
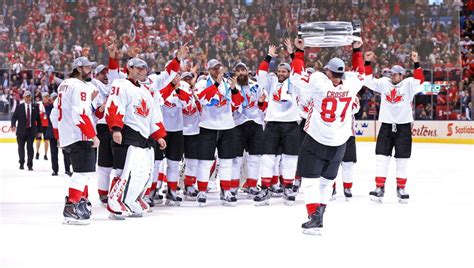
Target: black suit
{"points": [[25, 134]]}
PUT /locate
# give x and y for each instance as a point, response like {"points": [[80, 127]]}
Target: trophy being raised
{"points": [[329, 33]]}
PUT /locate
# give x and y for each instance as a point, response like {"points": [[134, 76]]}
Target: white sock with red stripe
{"points": [[312, 196], [172, 173], [288, 168], [203, 173], [267, 164], [225, 173], [381, 170], [253, 169], [191, 167], [402, 171], [347, 174], [236, 167], [103, 179], [77, 184]]}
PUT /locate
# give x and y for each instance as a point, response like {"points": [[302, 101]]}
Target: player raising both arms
{"points": [[396, 116], [329, 126]]}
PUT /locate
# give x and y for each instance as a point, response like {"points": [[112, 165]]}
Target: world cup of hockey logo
{"points": [[394, 97], [142, 109]]}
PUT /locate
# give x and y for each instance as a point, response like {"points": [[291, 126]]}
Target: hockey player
{"points": [[328, 127], [396, 116], [304, 102], [104, 77], [191, 117], [281, 129], [156, 83], [248, 131], [133, 118], [175, 97], [77, 135], [218, 97]]}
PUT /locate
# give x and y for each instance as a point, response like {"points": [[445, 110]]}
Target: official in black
{"points": [[27, 116]]}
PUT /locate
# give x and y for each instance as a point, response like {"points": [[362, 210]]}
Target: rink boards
{"points": [[461, 132]]}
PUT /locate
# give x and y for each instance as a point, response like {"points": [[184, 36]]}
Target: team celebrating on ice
{"points": [[287, 132]]}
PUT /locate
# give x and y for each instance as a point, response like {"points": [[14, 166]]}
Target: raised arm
{"points": [[262, 72], [357, 58], [171, 70], [418, 77], [370, 82]]}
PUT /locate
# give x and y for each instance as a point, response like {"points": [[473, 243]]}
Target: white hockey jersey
{"points": [[75, 120], [396, 100], [173, 105], [249, 110], [104, 90], [303, 98], [281, 98], [191, 113], [133, 105], [217, 104], [329, 119]]}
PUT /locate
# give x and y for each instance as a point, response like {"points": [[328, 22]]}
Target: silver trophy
{"points": [[329, 33]]}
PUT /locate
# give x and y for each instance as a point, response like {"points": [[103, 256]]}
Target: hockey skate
{"points": [[402, 195], [234, 191], [262, 198], [172, 198], [202, 199], [75, 214], [289, 196], [377, 194], [276, 190], [156, 197], [348, 194], [228, 199], [143, 201], [148, 200], [251, 191], [86, 204], [315, 224], [190, 193], [296, 185]]}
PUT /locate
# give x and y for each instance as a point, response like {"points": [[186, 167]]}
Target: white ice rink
{"points": [[434, 230]]}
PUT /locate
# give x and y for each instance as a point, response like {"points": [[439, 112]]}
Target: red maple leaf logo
{"points": [[222, 100], [169, 104], [189, 110], [113, 117], [85, 124], [393, 97], [277, 95], [142, 109], [251, 103]]}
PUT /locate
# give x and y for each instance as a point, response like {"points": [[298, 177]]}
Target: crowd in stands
{"points": [[39, 39]]}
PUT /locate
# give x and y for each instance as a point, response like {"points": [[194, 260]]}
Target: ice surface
{"points": [[434, 230]]}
